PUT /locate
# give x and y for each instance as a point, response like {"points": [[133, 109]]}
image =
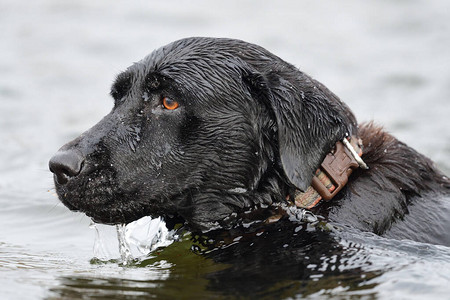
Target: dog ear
{"points": [[310, 119]]}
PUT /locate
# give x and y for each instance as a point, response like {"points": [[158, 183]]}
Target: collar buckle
{"points": [[333, 173]]}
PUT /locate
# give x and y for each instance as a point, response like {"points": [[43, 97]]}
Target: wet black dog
{"points": [[203, 129]]}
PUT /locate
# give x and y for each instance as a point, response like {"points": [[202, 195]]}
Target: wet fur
{"points": [[399, 179], [250, 130]]}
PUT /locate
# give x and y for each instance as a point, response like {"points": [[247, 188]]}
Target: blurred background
{"points": [[388, 60]]}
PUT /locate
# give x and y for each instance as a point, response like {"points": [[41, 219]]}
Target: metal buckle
{"points": [[337, 166]]}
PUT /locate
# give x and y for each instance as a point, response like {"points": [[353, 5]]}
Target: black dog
{"points": [[205, 129]]}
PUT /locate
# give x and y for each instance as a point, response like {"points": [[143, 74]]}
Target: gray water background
{"points": [[388, 60]]}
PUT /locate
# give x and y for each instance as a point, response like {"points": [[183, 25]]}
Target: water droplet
{"points": [[145, 97], [302, 94]]}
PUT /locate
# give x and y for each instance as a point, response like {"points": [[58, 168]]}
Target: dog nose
{"points": [[66, 164]]}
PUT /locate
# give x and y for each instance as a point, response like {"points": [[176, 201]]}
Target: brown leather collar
{"points": [[333, 173]]}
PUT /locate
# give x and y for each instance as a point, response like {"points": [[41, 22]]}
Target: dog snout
{"points": [[66, 164]]}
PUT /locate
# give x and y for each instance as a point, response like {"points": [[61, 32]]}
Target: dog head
{"points": [[201, 129]]}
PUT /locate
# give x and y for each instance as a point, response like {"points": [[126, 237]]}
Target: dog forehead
{"points": [[205, 68], [207, 57]]}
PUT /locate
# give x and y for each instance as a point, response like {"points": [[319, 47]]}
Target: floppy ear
{"points": [[310, 120]]}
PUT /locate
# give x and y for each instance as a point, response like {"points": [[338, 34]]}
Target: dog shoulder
{"points": [[397, 178]]}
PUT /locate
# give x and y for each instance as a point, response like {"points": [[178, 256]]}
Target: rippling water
{"points": [[388, 60]]}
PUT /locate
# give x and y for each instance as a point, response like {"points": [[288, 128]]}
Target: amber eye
{"points": [[169, 103]]}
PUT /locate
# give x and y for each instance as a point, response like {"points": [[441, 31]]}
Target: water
{"points": [[388, 60]]}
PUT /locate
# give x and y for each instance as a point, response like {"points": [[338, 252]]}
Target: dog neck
{"points": [[333, 173]]}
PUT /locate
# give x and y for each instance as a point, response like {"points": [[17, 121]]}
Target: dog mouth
{"points": [[97, 192], [98, 196]]}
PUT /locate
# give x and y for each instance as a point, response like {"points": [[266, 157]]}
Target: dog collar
{"points": [[333, 173]]}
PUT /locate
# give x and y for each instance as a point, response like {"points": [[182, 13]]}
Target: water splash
{"points": [[147, 234], [105, 242], [126, 257], [133, 242]]}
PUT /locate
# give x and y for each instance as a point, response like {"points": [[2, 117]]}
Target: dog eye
{"points": [[169, 103]]}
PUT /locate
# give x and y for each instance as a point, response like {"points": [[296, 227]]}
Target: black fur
{"points": [[250, 129]]}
